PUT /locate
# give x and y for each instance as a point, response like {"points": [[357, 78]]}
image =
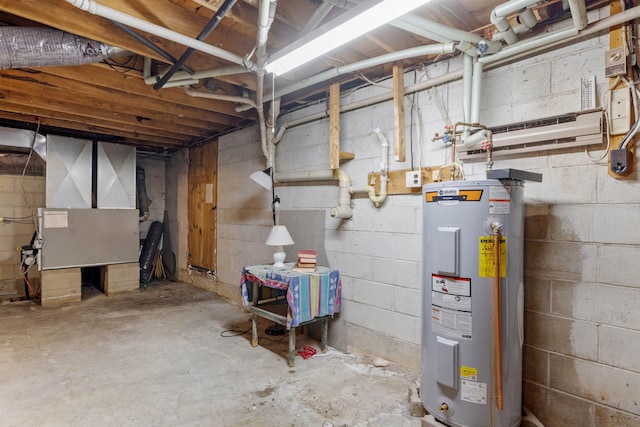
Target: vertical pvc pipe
{"points": [[477, 92], [467, 87]]}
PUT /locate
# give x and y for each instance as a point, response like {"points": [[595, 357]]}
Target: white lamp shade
{"points": [[262, 178], [279, 236]]}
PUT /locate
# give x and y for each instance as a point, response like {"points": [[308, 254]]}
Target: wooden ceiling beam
{"points": [[30, 95]]}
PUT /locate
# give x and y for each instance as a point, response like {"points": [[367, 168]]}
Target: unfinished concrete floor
{"points": [[157, 358]]}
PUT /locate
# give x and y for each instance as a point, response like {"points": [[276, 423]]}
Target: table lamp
{"points": [[279, 237]]}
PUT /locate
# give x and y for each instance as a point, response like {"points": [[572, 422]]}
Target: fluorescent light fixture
{"points": [[348, 26]]}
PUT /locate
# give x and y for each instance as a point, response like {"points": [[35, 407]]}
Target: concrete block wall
{"points": [[13, 235], [581, 289]]}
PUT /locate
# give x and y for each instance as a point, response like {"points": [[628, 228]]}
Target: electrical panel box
{"points": [[413, 179], [615, 62]]}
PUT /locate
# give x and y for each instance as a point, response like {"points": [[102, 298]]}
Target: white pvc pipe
{"points": [[317, 175], [579, 13], [435, 27], [504, 28], [530, 45], [384, 168], [433, 49], [512, 6], [106, 12], [419, 31], [343, 210], [317, 17], [181, 75], [467, 94], [476, 92], [220, 97]]}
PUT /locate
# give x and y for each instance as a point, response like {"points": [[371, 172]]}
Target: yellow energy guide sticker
{"points": [[469, 373], [485, 261]]}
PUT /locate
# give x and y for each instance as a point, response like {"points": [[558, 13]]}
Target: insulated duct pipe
{"points": [[93, 7], [22, 47]]}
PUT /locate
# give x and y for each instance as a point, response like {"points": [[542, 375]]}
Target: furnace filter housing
{"points": [[458, 360]]}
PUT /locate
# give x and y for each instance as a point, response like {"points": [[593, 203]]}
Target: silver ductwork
{"points": [[46, 47], [23, 140]]}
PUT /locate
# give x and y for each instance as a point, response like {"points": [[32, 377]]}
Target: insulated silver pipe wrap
{"points": [[22, 47]]}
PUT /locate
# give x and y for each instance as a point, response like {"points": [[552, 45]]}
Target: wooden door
{"points": [[203, 174]]}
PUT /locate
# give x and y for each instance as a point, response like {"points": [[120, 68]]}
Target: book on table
{"points": [[307, 260]]}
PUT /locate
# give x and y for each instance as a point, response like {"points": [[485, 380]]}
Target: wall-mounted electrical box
{"points": [[413, 179], [615, 62]]}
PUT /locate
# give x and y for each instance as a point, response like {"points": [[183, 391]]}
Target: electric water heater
{"points": [[472, 304]]}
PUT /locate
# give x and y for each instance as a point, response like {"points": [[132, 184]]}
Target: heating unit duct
{"points": [[22, 47], [472, 320]]}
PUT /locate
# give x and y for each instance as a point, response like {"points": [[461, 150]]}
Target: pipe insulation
{"points": [[22, 47]]}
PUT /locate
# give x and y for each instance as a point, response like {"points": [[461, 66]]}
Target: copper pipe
{"points": [[497, 237]]}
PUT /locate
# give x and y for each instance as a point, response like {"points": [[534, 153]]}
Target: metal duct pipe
{"points": [[25, 140], [22, 47]]}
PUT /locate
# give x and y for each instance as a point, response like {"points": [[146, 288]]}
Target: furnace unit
{"points": [[473, 257]]}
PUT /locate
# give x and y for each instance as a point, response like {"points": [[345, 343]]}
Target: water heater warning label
{"points": [[451, 306]]}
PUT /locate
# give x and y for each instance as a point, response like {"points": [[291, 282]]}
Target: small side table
{"points": [[310, 297]]}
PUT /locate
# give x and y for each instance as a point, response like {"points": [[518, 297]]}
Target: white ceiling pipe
{"points": [[502, 25], [512, 6], [419, 31], [318, 15], [181, 75], [454, 34], [467, 85], [106, 12], [433, 49], [579, 13], [219, 97], [508, 54], [443, 30], [476, 92], [530, 45], [528, 18]]}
